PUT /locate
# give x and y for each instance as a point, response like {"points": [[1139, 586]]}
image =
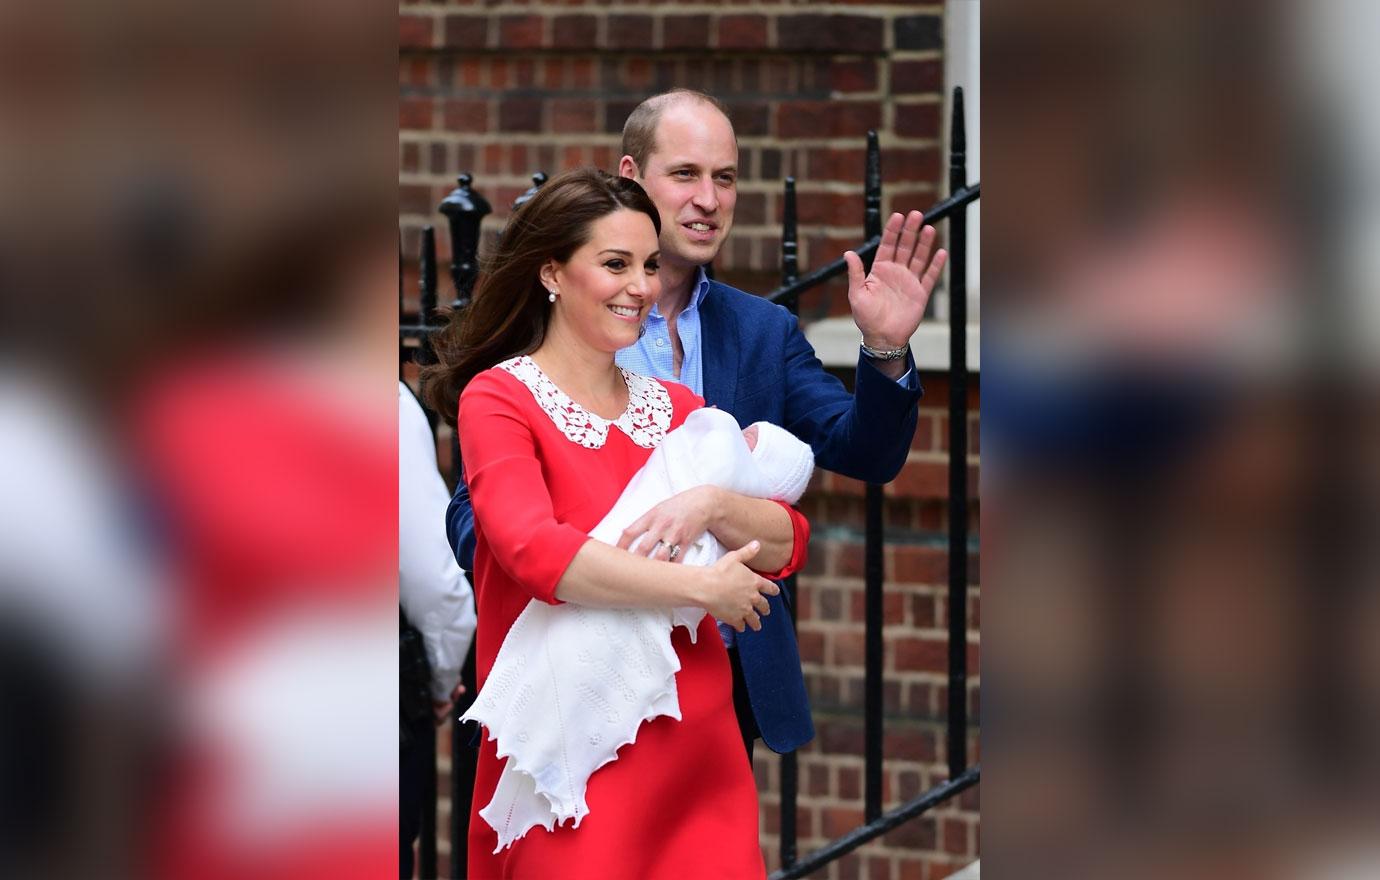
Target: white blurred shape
{"points": [[72, 562], [291, 711]]}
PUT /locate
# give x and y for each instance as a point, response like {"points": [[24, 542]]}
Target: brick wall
{"points": [[502, 90]]}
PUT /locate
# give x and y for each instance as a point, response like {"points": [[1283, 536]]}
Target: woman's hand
{"points": [[733, 593], [667, 530]]}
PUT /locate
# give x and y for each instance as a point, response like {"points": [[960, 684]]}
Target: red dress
{"points": [[680, 801]]}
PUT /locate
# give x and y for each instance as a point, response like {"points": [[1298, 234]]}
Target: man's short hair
{"points": [[639, 132]]}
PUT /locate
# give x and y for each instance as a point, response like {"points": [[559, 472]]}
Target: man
{"points": [[747, 356]]}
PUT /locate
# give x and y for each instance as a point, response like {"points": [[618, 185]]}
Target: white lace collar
{"points": [[645, 420]]}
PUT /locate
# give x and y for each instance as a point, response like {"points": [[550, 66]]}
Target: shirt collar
{"points": [[696, 293]]}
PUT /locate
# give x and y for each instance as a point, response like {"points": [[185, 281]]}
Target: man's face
{"points": [[692, 176]]}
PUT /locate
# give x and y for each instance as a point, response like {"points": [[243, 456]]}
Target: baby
{"points": [[614, 666]]}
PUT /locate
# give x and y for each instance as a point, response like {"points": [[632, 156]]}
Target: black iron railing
{"points": [[465, 210]]}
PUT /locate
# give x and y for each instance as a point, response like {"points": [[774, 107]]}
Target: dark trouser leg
{"points": [[742, 707], [411, 785]]}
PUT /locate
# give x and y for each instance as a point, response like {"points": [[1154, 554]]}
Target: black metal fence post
{"points": [[426, 313], [958, 453], [872, 550], [790, 766], [465, 209]]}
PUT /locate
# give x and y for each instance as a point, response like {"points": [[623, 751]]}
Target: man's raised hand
{"points": [[889, 302]]}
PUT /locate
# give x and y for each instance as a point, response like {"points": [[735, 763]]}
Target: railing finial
{"points": [[465, 209]]}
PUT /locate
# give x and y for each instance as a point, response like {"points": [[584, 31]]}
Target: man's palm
{"points": [[889, 302]]}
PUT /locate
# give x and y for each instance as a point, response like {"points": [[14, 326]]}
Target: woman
{"points": [[551, 430]]}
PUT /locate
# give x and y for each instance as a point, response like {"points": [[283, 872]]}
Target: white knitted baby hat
{"points": [[785, 460]]}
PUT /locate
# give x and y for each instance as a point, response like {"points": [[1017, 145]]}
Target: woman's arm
{"points": [[732, 518], [606, 576]]}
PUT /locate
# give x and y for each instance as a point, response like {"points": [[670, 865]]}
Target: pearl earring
{"points": [[550, 296]]}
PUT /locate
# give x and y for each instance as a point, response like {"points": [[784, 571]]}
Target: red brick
{"points": [[520, 31], [525, 72], [415, 113], [909, 744], [910, 869], [923, 439], [849, 648], [840, 736], [742, 32], [409, 158], [850, 783], [582, 73], [415, 199], [685, 32], [828, 163], [917, 120], [921, 654], [415, 31], [637, 75], [922, 612], [519, 114], [553, 73], [915, 77], [858, 75], [918, 833], [956, 837], [574, 115], [498, 73], [830, 33], [921, 164], [749, 118], [893, 607], [838, 821], [467, 73], [629, 32], [466, 31], [814, 119], [465, 114], [880, 867], [919, 565], [811, 646], [574, 31], [825, 207], [927, 479]]}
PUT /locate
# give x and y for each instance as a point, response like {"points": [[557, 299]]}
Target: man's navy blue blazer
{"points": [[758, 366]]}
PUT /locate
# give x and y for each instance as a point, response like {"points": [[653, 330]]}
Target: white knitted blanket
{"points": [[572, 684]]}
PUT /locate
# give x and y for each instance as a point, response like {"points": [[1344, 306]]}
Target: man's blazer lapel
{"points": [[719, 345]]}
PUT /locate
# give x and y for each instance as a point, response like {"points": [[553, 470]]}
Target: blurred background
{"points": [[1179, 439], [197, 440]]}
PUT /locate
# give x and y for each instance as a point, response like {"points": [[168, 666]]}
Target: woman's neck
{"points": [[590, 377]]}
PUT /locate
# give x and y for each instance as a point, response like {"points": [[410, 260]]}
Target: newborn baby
{"points": [[614, 667]]}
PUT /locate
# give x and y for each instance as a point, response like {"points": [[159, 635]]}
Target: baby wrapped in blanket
{"points": [[614, 668]]}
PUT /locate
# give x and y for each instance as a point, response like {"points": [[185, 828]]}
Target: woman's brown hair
{"points": [[508, 313]]}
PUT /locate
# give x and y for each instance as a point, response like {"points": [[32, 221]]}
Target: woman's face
{"points": [[606, 288]]}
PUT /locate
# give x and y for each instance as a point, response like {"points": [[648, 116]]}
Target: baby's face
{"points": [[750, 435]]}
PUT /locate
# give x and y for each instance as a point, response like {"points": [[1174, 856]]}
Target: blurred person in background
{"points": [[200, 276], [438, 613], [1172, 481]]}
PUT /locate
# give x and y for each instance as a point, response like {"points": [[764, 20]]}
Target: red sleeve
{"points": [[800, 534], [512, 505]]}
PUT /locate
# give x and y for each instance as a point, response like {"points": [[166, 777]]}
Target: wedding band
{"points": [[675, 551], [658, 545]]}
